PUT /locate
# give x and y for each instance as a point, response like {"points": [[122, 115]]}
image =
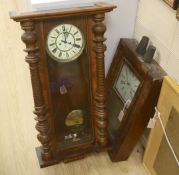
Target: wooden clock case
{"points": [[142, 106], [36, 26]]}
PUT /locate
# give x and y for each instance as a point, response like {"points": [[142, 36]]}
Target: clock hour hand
{"points": [[74, 45]]}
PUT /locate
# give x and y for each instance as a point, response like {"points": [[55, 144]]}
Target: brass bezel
{"points": [[70, 59]]}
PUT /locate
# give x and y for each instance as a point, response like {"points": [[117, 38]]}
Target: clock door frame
{"points": [[136, 117], [80, 21]]}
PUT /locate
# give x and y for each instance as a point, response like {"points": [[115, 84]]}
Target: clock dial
{"points": [[127, 83], [65, 43]]}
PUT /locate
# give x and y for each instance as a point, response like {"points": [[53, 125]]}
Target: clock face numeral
{"points": [[127, 83], [51, 44], [60, 54], [65, 43], [78, 39], [75, 33], [67, 55], [57, 31], [54, 50], [76, 45]]}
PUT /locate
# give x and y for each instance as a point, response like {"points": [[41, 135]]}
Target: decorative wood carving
{"points": [[100, 99], [30, 39], [83, 81]]}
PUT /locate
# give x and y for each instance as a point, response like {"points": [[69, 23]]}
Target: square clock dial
{"points": [[126, 84]]}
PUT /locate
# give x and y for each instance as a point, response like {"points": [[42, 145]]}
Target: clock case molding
{"points": [[141, 109], [33, 24]]}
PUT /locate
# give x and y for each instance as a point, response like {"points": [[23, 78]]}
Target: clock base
{"points": [[42, 163], [71, 156]]}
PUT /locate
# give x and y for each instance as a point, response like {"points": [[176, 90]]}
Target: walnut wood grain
{"points": [[39, 15], [50, 123], [142, 106], [30, 39], [100, 99]]}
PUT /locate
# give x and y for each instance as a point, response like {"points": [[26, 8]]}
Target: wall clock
{"points": [[133, 88], [65, 52]]}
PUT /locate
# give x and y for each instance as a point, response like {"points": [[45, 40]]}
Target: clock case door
{"points": [[124, 135], [75, 78], [70, 92]]}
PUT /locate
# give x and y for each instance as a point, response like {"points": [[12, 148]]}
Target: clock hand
{"points": [[64, 41], [74, 45], [65, 37], [69, 32]]}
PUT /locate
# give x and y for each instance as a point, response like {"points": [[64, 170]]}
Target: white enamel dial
{"points": [[127, 83], [65, 43]]}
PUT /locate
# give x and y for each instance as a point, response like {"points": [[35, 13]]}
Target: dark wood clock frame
{"points": [[34, 25], [142, 106]]}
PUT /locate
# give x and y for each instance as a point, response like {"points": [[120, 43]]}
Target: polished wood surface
{"points": [[142, 107], [17, 133], [38, 15], [82, 92]]}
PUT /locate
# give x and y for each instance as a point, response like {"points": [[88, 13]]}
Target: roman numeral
{"points": [[57, 31], [52, 37], [60, 54], [70, 29], [51, 44], [54, 50], [78, 39], [63, 28], [67, 55], [75, 33], [76, 45]]}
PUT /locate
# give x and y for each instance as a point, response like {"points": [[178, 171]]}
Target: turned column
{"points": [[178, 12], [32, 49], [100, 98]]}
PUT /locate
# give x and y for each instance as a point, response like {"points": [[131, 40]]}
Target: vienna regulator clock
{"points": [[65, 52]]}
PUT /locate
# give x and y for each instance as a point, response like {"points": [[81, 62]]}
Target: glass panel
{"points": [[69, 87], [115, 105]]}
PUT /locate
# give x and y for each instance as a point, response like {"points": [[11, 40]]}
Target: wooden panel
{"points": [[136, 117], [168, 100]]}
